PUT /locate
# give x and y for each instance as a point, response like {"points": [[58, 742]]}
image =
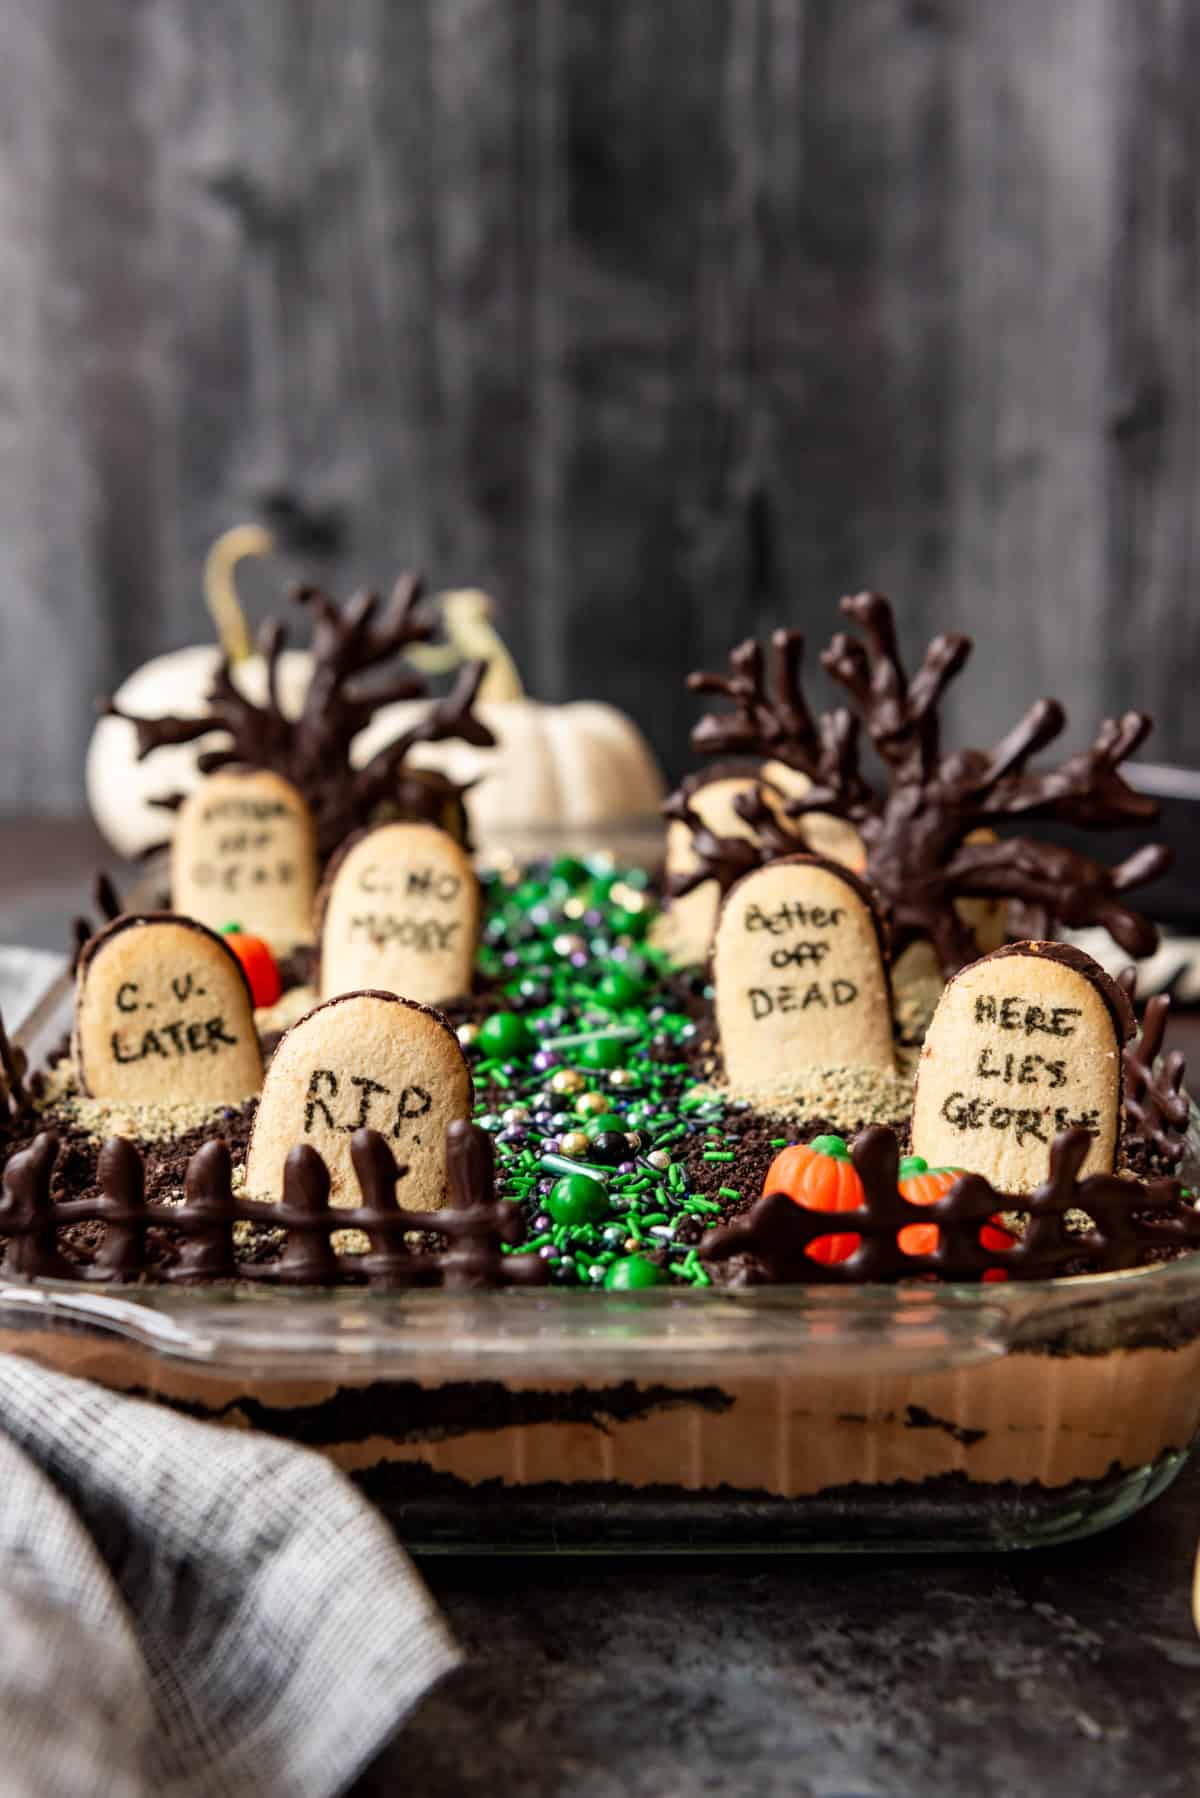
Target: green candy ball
{"points": [[569, 870], [617, 988], [504, 1035], [631, 1274], [577, 1199], [601, 1053], [607, 1120]]}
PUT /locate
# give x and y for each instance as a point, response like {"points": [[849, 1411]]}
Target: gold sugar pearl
{"points": [[574, 1144], [591, 1104], [573, 908], [468, 1035], [567, 1080], [622, 1077], [658, 1158]]}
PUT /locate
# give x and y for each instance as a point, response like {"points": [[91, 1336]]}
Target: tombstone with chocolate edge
{"points": [[367, 1060], [1025, 1043], [163, 1014], [244, 851], [400, 912], [800, 976]]}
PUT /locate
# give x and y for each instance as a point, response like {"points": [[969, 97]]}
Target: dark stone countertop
{"points": [[1066, 1670]]}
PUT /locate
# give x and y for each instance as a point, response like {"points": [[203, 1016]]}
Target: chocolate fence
{"points": [[1128, 1222], [202, 1227]]}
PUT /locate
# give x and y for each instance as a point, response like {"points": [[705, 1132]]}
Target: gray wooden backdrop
{"points": [[663, 319]]}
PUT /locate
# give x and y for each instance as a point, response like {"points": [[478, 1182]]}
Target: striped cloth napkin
{"points": [[188, 1612]]}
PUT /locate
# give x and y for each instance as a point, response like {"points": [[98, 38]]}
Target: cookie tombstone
{"points": [[244, 851], [400, 912], [798, 966], [1024, 1043], [362, 1061], [163, 1014]]}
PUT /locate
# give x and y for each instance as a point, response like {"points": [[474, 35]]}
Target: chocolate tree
{"points": [[1157, 1108], [929, 831], [313, 750]]}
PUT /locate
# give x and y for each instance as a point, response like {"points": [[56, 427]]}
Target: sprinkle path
{"points": [[585, 1077]]}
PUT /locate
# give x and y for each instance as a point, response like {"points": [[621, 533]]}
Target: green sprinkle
{"points": [[562, 1164], [718, 1155]]}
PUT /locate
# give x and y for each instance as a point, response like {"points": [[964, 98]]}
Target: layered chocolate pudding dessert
{"points": [[803, 1191]]}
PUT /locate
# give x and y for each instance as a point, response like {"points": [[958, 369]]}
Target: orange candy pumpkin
{"points": [[258, 964], [820, 1175], [921, 1184]]}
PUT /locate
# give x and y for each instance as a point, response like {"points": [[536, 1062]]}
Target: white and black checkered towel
{"points": [[187, 1611]]}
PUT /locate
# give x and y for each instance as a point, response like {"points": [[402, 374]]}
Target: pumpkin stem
{"points": [[830, 1145], [220, 592], [912, 1165], [473, 638]]}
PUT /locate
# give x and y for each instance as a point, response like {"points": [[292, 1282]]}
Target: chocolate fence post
{"points": [[478, 1222], [308, 1256], [388, 1261], [28, 1214], [470, 1165], [206, 1217], [122, 1207], [1046, 1234]]}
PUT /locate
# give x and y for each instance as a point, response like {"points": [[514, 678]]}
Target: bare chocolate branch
{"points": [[1157, 1108], [313, 751], [915, 833]]}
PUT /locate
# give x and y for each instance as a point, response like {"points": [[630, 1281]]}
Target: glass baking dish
{"points": [[775, 1418], [772, 1418]]}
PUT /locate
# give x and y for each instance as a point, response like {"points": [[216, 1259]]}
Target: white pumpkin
{"points": [[119, 787], [577, 767]]}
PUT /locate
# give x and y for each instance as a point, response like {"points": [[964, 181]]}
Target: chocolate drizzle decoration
{"points": [[1156, 1106], [915, 827], [1130, 1221], [478, 1225], [313, 750]]}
